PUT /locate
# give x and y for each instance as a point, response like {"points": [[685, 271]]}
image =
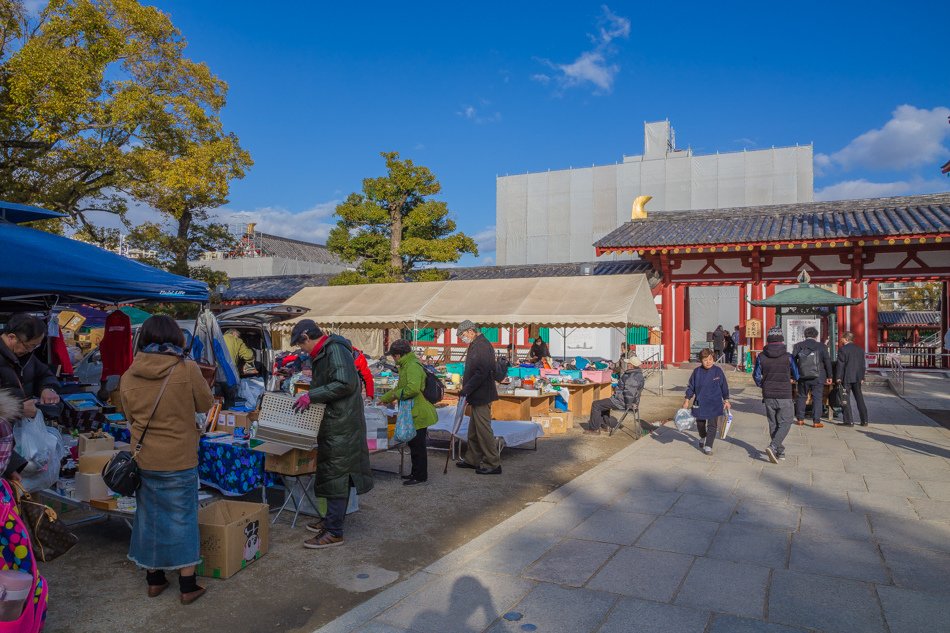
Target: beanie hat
{"points": [[775, 335]]}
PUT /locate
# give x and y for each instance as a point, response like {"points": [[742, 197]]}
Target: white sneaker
{"points": [[707, 450], [771, 455]]}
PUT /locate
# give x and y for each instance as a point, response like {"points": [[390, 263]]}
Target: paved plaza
{"points": [[850, 533]]}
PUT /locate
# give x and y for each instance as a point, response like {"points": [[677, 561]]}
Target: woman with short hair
{"points": [[161, 393], [711, 391]]}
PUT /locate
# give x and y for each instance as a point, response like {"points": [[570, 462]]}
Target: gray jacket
{"points": [[627, 391]]}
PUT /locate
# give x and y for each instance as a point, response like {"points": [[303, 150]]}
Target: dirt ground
{"points": [[398, 530]]}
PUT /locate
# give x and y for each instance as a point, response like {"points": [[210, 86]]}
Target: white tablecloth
{"points": [[514, 432]]}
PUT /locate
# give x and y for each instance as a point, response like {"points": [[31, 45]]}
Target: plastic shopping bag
{"points": [[725, 425], [405, 427], [43, 448], [684, 420]]}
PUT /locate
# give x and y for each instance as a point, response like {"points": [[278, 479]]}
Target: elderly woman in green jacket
{"points": [[412, 380]]}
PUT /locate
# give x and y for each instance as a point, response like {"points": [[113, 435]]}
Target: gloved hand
{"points": [[302, 403]]}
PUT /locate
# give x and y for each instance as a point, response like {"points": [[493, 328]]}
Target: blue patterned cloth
{"points": [[120, 434], [234, 470]]}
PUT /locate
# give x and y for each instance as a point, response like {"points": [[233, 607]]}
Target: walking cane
{"points": [[456, 425]]}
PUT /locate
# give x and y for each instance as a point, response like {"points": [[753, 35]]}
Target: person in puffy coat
{"points": [[412, 382], [710, 392], [626, 394], [344, 453]]}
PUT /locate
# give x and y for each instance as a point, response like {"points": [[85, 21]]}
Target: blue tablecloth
{"points": [[234, 470]]}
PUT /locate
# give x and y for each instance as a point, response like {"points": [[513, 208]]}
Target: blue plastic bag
{"points": [[405, 427]]}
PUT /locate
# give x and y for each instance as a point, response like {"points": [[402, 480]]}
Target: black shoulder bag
{"points": [[121, 474]]}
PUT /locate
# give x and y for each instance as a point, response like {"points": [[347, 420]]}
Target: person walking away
{"points": [[709, 390], [775, 372], [412, 382], [729, 350], [344, 453], [161, 392], [719, 342], [24, 374], [478, 387], [849, 376], [814, 372], [625, 396]]}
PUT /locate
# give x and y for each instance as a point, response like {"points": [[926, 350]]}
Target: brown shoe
{"points": [[323, 540], [819, 425], [591, 431], [316, 527], [800, 422], [156, 590], [191, 596]]}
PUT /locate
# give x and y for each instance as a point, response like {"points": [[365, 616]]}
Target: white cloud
{"points": [[592, 66], [312, 225], [487, 261], [485, 240], [862, 188], [913, 137], [473, 114]]}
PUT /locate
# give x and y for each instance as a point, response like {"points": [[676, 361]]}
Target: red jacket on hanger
{"points": [[362, 367], [116, 346]]}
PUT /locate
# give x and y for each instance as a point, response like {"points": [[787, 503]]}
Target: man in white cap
{"points": [[626, 394], [478, 387]]}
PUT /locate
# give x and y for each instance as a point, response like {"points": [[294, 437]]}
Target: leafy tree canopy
{"points": [[394, 229], [922, 297]]}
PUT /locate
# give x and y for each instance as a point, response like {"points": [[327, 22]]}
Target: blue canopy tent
{"points": [[39, 264], [20, 213]]}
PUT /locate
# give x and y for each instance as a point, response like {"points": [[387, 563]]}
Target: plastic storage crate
{"points": [[597, 375], [573, 374], [278, 422], [455, 368]]}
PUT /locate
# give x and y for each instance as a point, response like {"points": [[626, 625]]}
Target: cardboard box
{"points": [[89, 444], [230, 420], [233, 535], [91, 486], [553, 422], [294, 461], [105, 504], [93, 463]]}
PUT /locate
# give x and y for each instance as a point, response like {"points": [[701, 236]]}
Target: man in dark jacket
{"points": [[719, 341], [626, 395], [344, 453], [478, 387], [774, 372], [28, 378], [814, 370], [849, 376]]}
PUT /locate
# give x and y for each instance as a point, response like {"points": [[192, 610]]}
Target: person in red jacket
{"points": [[362, 368]]}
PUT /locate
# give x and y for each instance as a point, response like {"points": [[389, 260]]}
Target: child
{"points": [[708, 385]]}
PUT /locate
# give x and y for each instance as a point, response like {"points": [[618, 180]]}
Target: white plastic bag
{"points": [[684, 420], [250, 390], [43, 448], [725, 425]]}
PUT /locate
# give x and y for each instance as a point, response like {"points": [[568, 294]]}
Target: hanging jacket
{"points": [[774, 370], [412, 380], [341, 441], [115, 349], [362, 368]]}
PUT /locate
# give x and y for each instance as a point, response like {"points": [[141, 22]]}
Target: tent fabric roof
{"points": [[806, 295], [804, 221], [136, 316], [580, 301], [20, 213], [40, 263]]}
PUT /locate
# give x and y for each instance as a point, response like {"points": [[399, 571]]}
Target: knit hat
{"points": [[465, 326], [775, 335]]}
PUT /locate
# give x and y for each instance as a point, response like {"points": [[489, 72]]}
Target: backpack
{"points": [[433, 390], [501, 368], [807, 361]]}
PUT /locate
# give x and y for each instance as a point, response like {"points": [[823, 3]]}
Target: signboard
{"points": [[870, 359], [753, 328], [795, 329]]}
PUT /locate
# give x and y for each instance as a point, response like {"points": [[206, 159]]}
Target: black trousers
{"points": [[419, 456], [817, 389], [600, 414], [708, 430], [854, 395]]}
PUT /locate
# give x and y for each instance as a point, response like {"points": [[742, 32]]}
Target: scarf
{"points": [[164, 348]]}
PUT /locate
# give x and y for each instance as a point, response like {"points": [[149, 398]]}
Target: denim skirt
{"points": [[165, 532]]}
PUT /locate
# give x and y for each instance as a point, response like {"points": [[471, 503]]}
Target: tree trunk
{"points": [[180, 266], [395, 239]]}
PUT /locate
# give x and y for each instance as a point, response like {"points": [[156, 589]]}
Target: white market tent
{"points": [[583, 301]]}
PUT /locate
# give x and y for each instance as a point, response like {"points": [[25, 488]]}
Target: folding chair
{"points": [[635, 410]]}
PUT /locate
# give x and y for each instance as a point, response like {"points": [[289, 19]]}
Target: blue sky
{"points": [[472, 91]]}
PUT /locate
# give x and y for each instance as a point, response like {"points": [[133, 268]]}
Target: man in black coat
{"points": [[814, 372], [478, 387], [849, 376], [775, 372]]}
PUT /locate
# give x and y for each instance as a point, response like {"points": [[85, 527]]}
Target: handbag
{"points": [[405, 427], [50, 536], [13, 530], [121, 474]]}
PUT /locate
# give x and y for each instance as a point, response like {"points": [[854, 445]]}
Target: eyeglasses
{"points": [[26, 345]]}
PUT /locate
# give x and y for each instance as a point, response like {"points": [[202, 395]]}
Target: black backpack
{"points": [[434, 390], [807, 361]]}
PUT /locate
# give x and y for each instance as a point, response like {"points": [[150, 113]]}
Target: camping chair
{"points": [[635, 410]]}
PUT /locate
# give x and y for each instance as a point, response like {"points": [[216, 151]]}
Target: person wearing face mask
{"points": [[24, 374], [478, 387]]}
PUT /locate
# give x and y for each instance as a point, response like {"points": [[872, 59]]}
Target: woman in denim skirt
{"points": [[164, 391]]}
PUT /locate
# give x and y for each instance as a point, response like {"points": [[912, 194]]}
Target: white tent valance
{"points": [[584, 301]]}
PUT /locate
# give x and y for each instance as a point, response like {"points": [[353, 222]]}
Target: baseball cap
{"points": [[302, 327]]}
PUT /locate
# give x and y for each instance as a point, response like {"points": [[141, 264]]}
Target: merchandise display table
{"points": [[512, 407], [583, 395]]}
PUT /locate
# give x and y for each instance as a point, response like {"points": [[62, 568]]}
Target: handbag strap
{"points": [[161, 392]]}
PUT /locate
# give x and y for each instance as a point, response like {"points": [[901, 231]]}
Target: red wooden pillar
{"points": [[758, 312], [843, 324], [743, 289], [681, 323], [857, 314], [666, 322], [769, 312], [872, 324]]}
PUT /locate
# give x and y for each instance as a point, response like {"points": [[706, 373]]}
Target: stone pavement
{"points": [[851, 533]]}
